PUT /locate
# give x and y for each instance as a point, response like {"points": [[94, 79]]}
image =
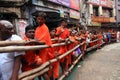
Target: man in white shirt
{"points": [[9, 61]]}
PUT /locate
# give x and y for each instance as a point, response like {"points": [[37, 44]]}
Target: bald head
{"points": [[6, 24], [6, 29]]}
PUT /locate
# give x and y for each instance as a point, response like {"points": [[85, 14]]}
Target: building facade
{"points": [[100, 13], [22, 12], [56, 9], [118, 13], [11, 10], [89, 13]]}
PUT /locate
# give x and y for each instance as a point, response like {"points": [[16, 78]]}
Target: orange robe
{"points": [[83, 39], [106, 40], [42, 34], [29, 57], [70, 46], [55, 65], [63, 49], [63, 35], [100, 40], [92, 43]]}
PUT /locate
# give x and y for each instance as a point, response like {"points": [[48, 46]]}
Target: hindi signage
{"points": [[105, 3], [100, 19], [74, 4], [62, 2], [74, 14]]}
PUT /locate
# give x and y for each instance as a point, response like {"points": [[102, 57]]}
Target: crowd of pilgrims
{"points": [[34, 58], [59, 35]]}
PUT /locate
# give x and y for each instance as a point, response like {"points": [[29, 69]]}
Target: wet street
{"points": [[103, 64]]}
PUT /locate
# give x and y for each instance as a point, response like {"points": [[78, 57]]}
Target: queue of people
{"points": [[28, 60]]}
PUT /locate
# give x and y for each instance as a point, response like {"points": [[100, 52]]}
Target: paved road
{"points": [[104, 64]]}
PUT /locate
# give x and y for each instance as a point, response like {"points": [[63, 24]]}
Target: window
{"points": [[95, 11]]}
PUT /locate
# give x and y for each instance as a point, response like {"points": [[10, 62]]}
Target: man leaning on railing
{"points": [[10, 61]]}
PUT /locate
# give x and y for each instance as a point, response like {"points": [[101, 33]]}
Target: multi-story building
{"points": [[11, 9], [100, 13], [22, 12], [55, 9], [118, 13]]}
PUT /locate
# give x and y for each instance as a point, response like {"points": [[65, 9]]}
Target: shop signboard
{"points": [[106, 19], [112, 19], [62, 2], [110, 4], [55, 1], [74, 14], [100, 19], [95, 24], [74, 4], [65, 2], [61, 13], [105, 3], [94, 2]]}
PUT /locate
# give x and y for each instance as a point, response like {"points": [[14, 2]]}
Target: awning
{"points": [[36, 9], [46, 9]]}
